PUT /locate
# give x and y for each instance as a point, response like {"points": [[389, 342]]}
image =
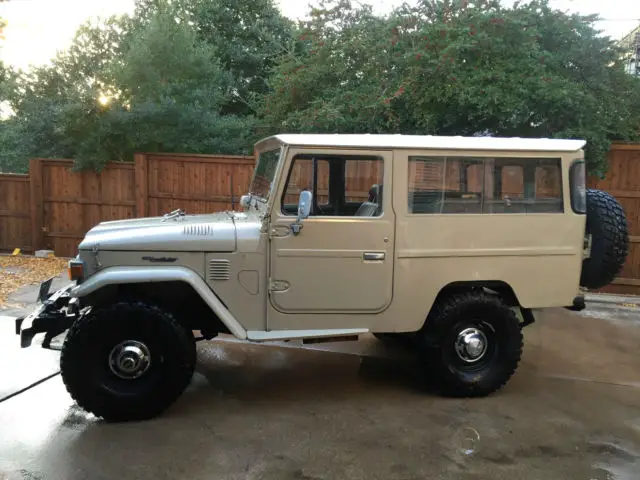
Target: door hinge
{"points": [[277, 231], [278, 285]]}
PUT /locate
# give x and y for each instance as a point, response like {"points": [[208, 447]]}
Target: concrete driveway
{"points": [[347, 411]]}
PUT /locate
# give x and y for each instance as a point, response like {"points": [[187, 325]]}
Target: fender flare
{"points": [[124, 275]]}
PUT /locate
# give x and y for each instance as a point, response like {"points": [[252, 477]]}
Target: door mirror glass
{"points": [[304, 204]]}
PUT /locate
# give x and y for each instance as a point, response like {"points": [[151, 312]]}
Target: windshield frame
{"points": [[262, 147]]}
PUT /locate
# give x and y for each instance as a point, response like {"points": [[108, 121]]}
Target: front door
{"points": [[341, 262]]}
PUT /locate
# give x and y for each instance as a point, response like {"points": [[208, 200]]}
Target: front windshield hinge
{"points": [[278, 231]]}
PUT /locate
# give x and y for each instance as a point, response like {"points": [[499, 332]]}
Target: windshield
{"points": [[264, 173]]}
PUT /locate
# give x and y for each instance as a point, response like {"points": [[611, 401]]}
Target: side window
{"points": [[548, 181], [445, 185], [360, 177], [345, 185], [485, 185], [301, 178], [508, 185]]}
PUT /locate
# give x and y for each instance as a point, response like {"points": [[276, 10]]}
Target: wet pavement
{"points": [[348, 411]]}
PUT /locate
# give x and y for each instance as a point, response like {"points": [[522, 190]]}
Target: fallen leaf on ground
{"points": [[26, 271]]}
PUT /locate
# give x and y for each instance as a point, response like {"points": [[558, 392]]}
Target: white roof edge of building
{"points": [[435, 142]]}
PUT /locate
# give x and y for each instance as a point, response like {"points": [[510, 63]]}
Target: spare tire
{"points": [[607, 225]]}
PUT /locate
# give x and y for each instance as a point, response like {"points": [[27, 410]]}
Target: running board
{"points": [[308, 336]]}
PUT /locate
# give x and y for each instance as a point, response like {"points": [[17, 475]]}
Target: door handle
{"points": [[373, 256]]}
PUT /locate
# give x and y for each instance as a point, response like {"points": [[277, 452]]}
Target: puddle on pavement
{"points": [[616, 462], [573, 378], [246, 369], [77, 418], [466, 440], [617, 315]]}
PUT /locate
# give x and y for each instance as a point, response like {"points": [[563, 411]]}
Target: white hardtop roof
{"points": [[429, 142]]}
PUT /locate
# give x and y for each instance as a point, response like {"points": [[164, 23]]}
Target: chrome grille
{"points": [[219, 270]]}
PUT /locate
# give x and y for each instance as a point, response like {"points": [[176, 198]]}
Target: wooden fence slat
{"points": [[35, 175], [78, 235], [625, 193], [192, 197], [88, 201], [142, 184], [15, 214], [10, 213], [626, 281]]}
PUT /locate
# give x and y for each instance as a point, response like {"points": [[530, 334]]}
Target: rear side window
{"points": [[445, 185], [577, 177]]}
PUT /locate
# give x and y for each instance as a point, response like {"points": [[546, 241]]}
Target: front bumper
{"points": [[56, 314]]}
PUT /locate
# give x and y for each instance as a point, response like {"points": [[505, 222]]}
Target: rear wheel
{"points": [[128, 361], [472, 344]]}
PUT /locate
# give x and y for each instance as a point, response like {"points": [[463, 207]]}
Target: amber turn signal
{"points": [[76, 270]]}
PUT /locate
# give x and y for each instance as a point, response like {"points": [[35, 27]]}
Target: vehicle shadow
{"points": [[245, 371]]}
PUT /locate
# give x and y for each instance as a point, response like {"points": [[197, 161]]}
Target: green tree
{"points": [[143, 83], [249, 36], [454, 67]]}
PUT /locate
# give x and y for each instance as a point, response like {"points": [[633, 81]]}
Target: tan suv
{"points": [[443, 243]]}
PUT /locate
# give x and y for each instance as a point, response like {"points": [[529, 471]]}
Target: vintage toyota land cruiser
{"points": [[444, 243]]}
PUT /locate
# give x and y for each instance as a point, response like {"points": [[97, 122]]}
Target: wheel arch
{"points": [[178, 289], [499, 288], [496, 287]]}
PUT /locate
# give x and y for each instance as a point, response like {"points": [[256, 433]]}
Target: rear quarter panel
{"points": [[538, 254]]}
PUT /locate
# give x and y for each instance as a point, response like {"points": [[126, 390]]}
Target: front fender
{"points": [[128, 275]]}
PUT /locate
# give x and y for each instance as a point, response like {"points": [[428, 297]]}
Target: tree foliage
{"points": [[150, 82], [213, 76], [457, 68]]}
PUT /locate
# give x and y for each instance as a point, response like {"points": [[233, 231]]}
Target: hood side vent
{"points": [[198, 230], [219, 270]]}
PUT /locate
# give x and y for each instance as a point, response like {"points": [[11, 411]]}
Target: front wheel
{"points": [[473, 344], [127, 361]]}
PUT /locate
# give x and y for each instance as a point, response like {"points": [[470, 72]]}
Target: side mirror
{"points": [[304, 209], [304, 204], [245, 201]]}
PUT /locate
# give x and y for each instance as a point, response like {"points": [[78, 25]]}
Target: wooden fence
{"points": [[623, 182], [53, 206], [15, 212]]}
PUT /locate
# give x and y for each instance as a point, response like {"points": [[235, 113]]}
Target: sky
{"points": [[38, 28]]}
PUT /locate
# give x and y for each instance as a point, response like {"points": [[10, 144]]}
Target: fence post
{"points": [[36, 167], [142, 184], [233, 197]]}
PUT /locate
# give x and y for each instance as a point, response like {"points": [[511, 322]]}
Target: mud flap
{"points": [[527, 317]]}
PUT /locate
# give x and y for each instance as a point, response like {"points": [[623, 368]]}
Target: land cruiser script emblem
{"points": [[160, 259]]}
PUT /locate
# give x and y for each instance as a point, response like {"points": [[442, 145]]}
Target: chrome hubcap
{"points": [[471, 345], [129, 359]]}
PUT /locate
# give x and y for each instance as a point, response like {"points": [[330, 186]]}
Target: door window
{"points": [[342, 185]]}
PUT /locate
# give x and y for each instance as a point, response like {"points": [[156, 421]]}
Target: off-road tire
{"points": [[450, 316], [89, 379], [607, 224]]}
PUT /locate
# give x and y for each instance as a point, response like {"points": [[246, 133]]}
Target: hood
{"points": [[215, 232]]}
